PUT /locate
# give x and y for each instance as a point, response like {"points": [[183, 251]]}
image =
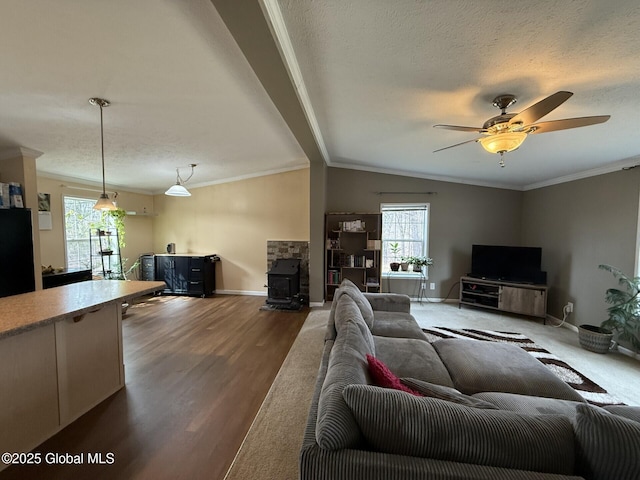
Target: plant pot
{"points": [[395, 266], [417, 268], [404, 266], [594, 338]]}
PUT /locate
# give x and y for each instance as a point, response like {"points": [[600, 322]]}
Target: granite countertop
{"points": [[19, 313]]}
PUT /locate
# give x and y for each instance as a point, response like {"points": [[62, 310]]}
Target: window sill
{"points": [[406, 275]]}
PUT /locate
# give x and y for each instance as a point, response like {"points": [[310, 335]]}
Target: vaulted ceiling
{"points": [[372, 78]]}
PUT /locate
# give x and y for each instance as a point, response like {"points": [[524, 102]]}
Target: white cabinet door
{"points": [[89, 352], [28, 389]]}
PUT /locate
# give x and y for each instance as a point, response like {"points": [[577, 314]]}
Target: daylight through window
{"points": [[404, 232]]}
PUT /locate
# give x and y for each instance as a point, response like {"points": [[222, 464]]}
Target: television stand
{"points": [[524, 299]]}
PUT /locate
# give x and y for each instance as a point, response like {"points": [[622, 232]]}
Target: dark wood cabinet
{"points": [[16, 252], [186, 274]]}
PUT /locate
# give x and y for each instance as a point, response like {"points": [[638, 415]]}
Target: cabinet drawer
{"points": [[196, 287]]}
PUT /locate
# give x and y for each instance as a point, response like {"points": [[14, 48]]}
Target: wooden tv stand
{"points": [[522, 298]]}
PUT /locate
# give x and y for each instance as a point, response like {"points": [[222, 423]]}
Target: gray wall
{"points": [[580, 225], [460, 216]]}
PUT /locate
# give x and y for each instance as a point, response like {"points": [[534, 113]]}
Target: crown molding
{"points": [[15, 152], [81, 182]]}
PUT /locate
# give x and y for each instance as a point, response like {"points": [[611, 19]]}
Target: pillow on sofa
{"points": [[383, 377], [449, 394], [398, 423], [347, 287], [608, 445]]}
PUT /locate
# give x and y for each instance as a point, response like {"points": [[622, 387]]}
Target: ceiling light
{"points": [[503, 142], [103, 203], [179, 190]]}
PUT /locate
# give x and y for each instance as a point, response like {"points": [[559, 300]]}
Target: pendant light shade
{"points": [[179, 190], [103, 203]]}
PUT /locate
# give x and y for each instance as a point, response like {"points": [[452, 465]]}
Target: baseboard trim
{"points": [[241, 292]]}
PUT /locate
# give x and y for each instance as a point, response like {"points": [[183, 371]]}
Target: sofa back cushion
{"points": [[399, 423], [608, 445], [335, 426], [347, 287], [348, 312]]}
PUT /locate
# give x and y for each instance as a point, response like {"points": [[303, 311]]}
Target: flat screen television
{"points": [[506, 263]]}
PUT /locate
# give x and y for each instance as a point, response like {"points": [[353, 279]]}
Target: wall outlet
{"points": [[423, 286], [569, 307], [432, 286]]}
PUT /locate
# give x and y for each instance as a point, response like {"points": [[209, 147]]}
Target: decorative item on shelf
{"points": [[624, 316], [419, 262], [104, 202], [352, 226], [179, 190], [394, 248]]}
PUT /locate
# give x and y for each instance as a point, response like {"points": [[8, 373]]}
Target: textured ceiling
{"points": [[375, 76], [380, 74]]}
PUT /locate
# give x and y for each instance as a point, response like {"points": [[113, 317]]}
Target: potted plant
{"points": [[404, 263], [624, 312], [394, 248], [419, 262]]}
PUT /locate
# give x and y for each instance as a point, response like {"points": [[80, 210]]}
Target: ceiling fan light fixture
{"points": [[503, 142]]}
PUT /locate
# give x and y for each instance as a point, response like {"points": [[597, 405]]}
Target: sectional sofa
{"points": [[390, 405]]}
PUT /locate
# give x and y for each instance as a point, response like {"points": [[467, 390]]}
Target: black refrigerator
{"points": [[16, 252]]}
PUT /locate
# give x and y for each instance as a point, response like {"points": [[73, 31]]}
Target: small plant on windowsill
{"points": [[404, 263], [419, 262], [394, 248]]}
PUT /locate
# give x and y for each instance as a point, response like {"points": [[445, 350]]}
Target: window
{"points": [[407, 226], [79, 218]]}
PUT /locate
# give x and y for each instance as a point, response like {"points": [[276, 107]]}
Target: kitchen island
{"points": [[60, 355]]}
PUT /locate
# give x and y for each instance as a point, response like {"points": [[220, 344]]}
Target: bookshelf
{"points": [[352, 251]]}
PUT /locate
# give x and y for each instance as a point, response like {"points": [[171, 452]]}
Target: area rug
{"points": [[588, 389]]}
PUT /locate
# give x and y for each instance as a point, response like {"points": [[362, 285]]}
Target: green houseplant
{"points": [[624, 312], [394, 248], [419, 262]]}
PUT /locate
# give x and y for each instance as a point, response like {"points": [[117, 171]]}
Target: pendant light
{"points": [[179, 190], [103, 203]]}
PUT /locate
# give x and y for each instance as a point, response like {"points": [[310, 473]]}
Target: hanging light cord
{"points": [[104, 188], [180, 180]]}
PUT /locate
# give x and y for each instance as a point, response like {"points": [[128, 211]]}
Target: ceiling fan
{"points": [[506, 132]]}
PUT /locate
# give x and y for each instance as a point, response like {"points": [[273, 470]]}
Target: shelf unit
{"points": [[106, 260], [524, 299], [352, 251]]}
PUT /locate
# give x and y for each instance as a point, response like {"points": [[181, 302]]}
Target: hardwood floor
{"points": [[197, 371]]}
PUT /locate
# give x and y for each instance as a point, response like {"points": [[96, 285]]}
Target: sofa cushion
{"points": [[395, 422], [530, 404], [347, 287], [348, 312], [626, 411], [478, 366], [396, 324], [383, 377], [449, 394], [608, 445], [408, 357], [335, 426]]}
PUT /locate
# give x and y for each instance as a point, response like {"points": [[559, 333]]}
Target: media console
{"points": [[525, 299]]}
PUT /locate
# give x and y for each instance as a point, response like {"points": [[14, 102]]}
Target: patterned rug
{"points": [[590, 391]]}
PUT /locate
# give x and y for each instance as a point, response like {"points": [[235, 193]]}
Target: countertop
{"points": [[19, 313]]}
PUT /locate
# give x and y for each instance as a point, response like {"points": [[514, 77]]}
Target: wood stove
{"points": [[283, 284]]}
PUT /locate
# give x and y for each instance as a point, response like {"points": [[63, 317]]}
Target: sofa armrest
{"points": [[389, 302]]}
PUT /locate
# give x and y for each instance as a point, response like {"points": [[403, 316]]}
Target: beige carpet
{"points": [[270, 449]]}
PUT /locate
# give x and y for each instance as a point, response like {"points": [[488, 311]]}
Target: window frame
{"points": [[424, 206]]}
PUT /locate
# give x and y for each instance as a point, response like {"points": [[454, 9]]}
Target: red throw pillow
{"points": [[383, 377]]}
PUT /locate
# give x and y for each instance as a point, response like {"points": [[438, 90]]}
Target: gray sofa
{"points": [[478, 410]]}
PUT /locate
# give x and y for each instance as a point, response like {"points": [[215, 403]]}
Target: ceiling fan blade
{"points": [[456, 145], [540, 109], [566, 123], [461, 129]]}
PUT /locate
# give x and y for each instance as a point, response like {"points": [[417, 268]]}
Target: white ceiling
{"points": [[374, 77]]}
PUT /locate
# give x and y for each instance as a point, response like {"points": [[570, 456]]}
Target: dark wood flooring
{"points": [[197, 371]]}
